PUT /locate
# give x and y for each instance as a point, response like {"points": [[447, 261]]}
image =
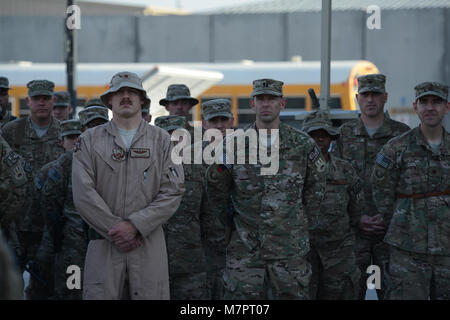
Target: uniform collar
{"points": [[113, 130], [384, 131]]}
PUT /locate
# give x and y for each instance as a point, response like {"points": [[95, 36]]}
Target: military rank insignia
{"points": [[118, 154]]}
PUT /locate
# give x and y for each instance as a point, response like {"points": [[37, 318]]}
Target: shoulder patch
{"points": [[54, 175], [383, 161], [314, 154], [12, 159]]}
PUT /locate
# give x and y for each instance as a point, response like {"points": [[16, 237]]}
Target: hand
{"points": [[123, 233], [130, 245]]}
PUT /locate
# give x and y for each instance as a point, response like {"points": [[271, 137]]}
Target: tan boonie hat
{"points": [[121, 80], [4, 83], [62, 99], [69, 127], [169, 123], [320, 119], [267, 86], [372, 83], [216, 108], [94, 102], [40, 88], [431, 88], [93, 112], [177, 92]]}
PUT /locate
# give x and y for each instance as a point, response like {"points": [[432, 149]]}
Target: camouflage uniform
{"points": [[11, 283], [336, 274], [183, 231], [266, 256], [7, 116], [411, 188], [360, 149], [12, 183], [26, 232], [177, 92], [65, 237]]}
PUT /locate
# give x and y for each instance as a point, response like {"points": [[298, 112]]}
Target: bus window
{"points": [[24, 110], [295, 103], [335, 103], [244, 103]]}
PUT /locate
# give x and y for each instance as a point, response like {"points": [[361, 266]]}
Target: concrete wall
{"points": [[411, 46]]}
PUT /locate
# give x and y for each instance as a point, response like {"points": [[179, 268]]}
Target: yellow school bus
{"points": [[206, 81]]}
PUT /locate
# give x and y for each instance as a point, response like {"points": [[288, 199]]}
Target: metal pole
{"points": [[325, 50], [71, 60]]}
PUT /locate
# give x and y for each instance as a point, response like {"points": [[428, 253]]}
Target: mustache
{"points": [[125, 101]]}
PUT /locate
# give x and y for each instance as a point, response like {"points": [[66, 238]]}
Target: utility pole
{"points": [[325, 51], [71, 57]]}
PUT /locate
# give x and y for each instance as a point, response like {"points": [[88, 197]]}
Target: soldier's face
{"points": [[322, 139], [41, 106], [371, 103], [267, 107], [126, 103], [62, 113], [431, 110], [179, 107], [4, 97], [69, 141], [220, 123]]}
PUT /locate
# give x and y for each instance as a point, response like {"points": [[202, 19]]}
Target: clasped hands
{"points": [[372, 225], [125, 236]]}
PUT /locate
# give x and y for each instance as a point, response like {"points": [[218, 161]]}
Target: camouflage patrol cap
{"points": [[62, 99], [4, 83], [216, 108], [69, 127], [177, 92], [267, 86], [169, 123], [372, 83], [320, 119], [431, 88], [94, 102], [40, 88], [121, 80], [93, 112]]}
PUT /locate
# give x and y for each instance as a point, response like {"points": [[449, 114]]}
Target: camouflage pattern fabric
{"points": [[431, 88], [407, 166], [67, 232], [334, 237], [267, 86], [11, 283], [415, 276], [372, 83], [266, 257], [183, 232], [36, 152], [178, 92], [13, 181], [8, 117], [360, 149]]}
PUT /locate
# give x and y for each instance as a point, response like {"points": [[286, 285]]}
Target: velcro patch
{"points": [[54, 175], [314, 154], [39, 183], [139, 153], [356, 188], [12, 159], [383, 160]]}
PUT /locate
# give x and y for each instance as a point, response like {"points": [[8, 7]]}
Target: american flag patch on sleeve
{"points": [[383, 161]]}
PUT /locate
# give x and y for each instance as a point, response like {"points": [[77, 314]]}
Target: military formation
{"points": [[107, 197]]}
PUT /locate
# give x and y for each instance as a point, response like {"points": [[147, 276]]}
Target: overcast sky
{"points": [[190, 5]]}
